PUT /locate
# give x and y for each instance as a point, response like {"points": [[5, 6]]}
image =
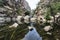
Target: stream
{"points": [[32, 35]]}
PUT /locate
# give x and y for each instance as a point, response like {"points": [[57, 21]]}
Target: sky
{"points": [[33, 3]]}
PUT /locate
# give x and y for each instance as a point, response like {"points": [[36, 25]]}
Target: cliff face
{"points": [[26, 5], [49, 9], [42, 6], [11, 9], [22, 5]]}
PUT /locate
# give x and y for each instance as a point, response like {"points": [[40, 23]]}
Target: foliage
{"points": [[1, 2], [52, 10], [47, 14], [27, 13], [19, 11], [55, 7]]}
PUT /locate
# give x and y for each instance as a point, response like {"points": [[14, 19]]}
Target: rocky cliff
{"points": [[11, 9], [49, 10]]}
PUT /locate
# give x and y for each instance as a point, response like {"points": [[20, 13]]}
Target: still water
{"points": [[32, 35]]}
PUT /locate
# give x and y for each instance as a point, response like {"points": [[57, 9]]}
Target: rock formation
{"points": [[49, 10], [9, 10]]}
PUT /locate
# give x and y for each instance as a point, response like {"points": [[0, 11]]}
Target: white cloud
{"points": [[32, 3]]}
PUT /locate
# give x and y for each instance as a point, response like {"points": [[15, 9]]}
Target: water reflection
{"points": [[32, 35]]}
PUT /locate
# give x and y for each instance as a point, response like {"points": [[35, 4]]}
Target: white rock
{"points": [[50, 21], [47, 28], [41, 19], [57, 39], [26, 19], [19, 19], [14, 25], [49, 33], [29, 27], [56, 15], [2, 9], [51, 17], [2, 19], [33, 19], [44, 20], [7, 7], [8, 19]]}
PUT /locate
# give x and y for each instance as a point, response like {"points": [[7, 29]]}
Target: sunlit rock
{"points": [[26, 19], [41, 19], [47, 28], [30, 28], [8, 19], [51, 17], [14, 25], [2, 15], [19, 18], [56, 16], [8, 7], [49, 33], [2, 19], [57, 39], [58, 13], [14, 19], [2, 9], [51, 20], [33, 19]]}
